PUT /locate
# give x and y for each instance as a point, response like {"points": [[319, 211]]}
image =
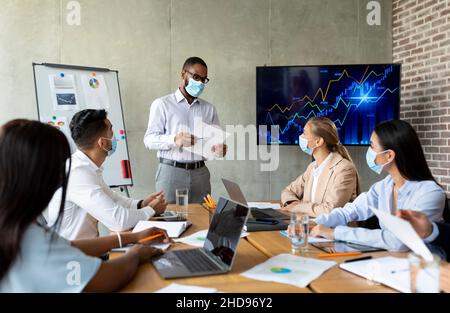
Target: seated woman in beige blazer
{"points": [[329, 182]]}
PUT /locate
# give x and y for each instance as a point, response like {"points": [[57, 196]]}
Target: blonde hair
{"points": [[325, 128]]}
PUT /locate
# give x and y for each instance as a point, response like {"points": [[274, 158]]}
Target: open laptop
{"points": [[236, 195], [219, 251]]}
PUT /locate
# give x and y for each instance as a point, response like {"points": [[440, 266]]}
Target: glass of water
{"points": [[182, 196], [299, 232], [424, 274]]}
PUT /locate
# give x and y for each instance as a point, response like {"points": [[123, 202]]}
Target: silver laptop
{"points": [[219, 251], [235, 193]]}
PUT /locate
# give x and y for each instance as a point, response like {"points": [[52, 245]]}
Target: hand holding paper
{"points": [[405, 233], [209, 140], [419, 221]]}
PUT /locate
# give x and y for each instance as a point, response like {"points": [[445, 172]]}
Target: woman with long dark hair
{"points": [[395, 148], [34, 163]]}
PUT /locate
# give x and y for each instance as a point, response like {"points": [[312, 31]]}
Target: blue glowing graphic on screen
{"points": [[355, 97]]}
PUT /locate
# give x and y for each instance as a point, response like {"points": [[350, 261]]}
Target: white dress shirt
{"points": [[316, 172], [422, 196], [89, 200], [171, 115]]}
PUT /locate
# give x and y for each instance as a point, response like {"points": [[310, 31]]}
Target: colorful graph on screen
{"points": [[355, 97]]}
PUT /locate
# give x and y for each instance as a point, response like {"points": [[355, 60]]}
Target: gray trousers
{"points": [[169, 179]]}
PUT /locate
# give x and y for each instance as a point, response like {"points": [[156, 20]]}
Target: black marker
{"points": [[360, 259]]}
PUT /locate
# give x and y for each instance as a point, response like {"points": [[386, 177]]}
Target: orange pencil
{"points": [[207, 202], [150, 238], [212, 202], [207, 206], [338, 254]]}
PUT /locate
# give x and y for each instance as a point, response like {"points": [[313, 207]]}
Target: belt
{"points": [[186, 166]]}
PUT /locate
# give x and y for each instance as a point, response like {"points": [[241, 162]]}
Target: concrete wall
{"points": [[148, 40]]}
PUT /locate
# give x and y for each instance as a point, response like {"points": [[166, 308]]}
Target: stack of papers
{"points": [[198, 239], [182, 289], [173, 229], [289, 269], [390, 271]]}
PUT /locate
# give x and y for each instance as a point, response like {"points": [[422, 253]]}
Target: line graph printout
{"points": [[355, 97]]}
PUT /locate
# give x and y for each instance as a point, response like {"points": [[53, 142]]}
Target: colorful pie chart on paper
{"points": [[94, 83], [280, 270]]}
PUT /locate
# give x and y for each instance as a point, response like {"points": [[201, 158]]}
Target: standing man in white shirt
{"points": [[89, 199], [170, 128]]}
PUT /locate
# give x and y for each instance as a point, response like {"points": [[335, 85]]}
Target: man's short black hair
{"points": [[193, 61], [87, 126]]}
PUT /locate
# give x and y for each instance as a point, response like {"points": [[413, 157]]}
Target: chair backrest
{"points": [[446, 213], [371, 223]]}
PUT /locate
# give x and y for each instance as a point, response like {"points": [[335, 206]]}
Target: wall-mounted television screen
{"points": [[355, 97]]}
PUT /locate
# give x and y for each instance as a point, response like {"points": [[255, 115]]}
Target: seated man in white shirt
{"points": [[89, 199]]}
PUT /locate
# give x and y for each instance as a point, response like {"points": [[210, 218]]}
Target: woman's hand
{"points": [[151, 232], [290, 207], [145, 253], [419, 222], [323, 231]]}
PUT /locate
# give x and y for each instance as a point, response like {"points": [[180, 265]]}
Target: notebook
{"points": [[173, 229], [390, 271]]}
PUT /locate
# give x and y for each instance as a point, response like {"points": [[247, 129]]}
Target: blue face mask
{"points": [[195, 88], [370, 158], [113, 146], [303, 142]]}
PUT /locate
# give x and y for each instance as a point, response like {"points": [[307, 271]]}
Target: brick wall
{"points": [[421, 34]]}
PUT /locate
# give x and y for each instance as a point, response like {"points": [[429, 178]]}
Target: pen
{"points": [[150, 238], [332, 255], [359, 259], [399, 271]]}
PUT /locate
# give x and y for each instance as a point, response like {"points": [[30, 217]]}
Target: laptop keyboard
{"points": [[196, 261]]}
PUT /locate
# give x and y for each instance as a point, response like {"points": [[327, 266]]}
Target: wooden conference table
{"points": [[253, 250]]}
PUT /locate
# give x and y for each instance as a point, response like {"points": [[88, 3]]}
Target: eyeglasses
{"points": [[198, 78]]}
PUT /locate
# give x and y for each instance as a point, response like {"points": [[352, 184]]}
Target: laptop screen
{"points": [[225, 230], [234, 191]]}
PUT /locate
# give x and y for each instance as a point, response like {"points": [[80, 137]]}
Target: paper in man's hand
{"points": [[207, 137]]}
